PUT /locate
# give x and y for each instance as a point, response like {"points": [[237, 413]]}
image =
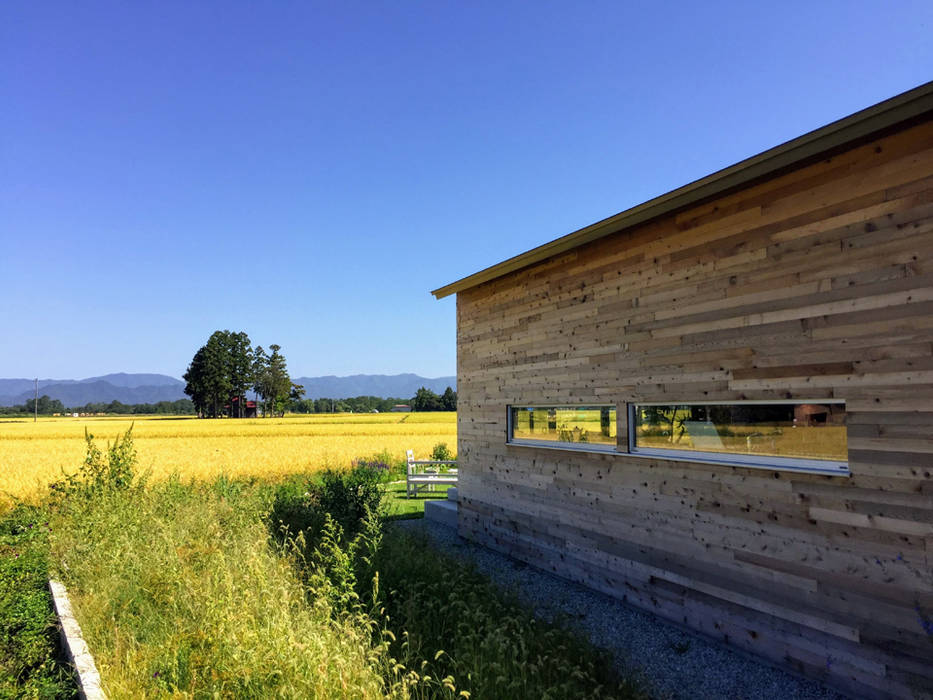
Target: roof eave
{"points": [[877, 118]]}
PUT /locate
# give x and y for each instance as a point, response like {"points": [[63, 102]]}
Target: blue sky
{"points": [[308, 172]]}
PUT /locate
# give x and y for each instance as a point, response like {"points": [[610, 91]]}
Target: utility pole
{"points": [[35, 418]]}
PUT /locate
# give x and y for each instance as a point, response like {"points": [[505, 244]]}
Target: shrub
{"points": [[101, 472], [347, 497], [383, 469], [441, 452]]}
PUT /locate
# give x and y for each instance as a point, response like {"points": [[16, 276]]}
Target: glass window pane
{"points": [[580, 425], [793, 430]]}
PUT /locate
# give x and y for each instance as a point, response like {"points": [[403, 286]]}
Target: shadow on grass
{"points": [[399, 507]]}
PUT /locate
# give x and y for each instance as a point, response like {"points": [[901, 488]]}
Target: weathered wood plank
{"points": [[814, 285]]}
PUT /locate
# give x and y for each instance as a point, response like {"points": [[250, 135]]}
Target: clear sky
{"points": [[307, 172]]}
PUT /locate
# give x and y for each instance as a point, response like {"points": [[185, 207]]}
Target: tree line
{"points": [[49, 407], [225, 368], [428, 401], [424, 400]]}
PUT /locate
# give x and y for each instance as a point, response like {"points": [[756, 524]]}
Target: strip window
{"points": [[805, 436], [590, 428]]}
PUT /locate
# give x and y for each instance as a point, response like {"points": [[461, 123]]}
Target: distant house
{"points": [[400, 408], [718, 405], [250, 410]]}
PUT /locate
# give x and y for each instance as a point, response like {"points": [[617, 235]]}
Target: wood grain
{"points": [[817, 284]]}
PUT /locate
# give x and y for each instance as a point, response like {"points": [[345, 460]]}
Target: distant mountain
{"points": [[126, 388], [134, 381], [150, 388], [11, 389], [14, 387], [382, 385]]}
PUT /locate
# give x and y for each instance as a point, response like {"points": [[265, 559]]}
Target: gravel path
{"points": [[675, 663]]}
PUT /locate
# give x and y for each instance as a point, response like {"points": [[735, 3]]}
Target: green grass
{"points": [[178, 590], [457, 624], [194, 590], [399, 507], [30, 660]]}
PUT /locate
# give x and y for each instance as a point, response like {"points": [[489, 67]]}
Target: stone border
{"points": [[89, 686]]}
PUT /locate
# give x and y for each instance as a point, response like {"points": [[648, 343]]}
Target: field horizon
{"points": [[36, 454]]}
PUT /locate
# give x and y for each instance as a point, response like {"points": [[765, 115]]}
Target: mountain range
{"points": [[151, 388]]}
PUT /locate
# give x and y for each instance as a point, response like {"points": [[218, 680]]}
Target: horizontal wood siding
{"points": [[816, 284]]}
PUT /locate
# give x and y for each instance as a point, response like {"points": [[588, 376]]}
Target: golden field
{"points": [[34, 454]]}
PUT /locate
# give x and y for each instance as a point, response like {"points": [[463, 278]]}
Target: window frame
{"points": [[798, 464], [557, 444]]}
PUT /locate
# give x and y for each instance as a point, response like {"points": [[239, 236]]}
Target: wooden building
{"points": [[718, 405]]}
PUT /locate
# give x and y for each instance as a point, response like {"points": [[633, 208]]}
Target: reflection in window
{"points": [[787, 430], [579, 426]]}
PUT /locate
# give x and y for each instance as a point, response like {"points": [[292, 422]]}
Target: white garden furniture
{"points": [[426, 473]]}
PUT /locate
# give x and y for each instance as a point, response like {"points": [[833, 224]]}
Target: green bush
{"points": [[390, 466], [347, 497], [101, 472], [441, 452]]}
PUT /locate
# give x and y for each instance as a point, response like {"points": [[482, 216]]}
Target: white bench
{"points": [[425, 473]]}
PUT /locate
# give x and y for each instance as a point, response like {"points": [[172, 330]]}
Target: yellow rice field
{"points": [[34, 454]]}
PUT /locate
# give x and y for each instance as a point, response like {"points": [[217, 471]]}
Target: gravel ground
{"points": [[674, 663]]}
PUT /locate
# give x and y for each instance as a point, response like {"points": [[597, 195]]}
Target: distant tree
{"points": [[239, 369], [271, 381], [44, 406], [209, 381], [426, 400], [449, 399], [226, 368], [261, 378], [280, 383], [195, 385], [301, 406], [181, 407], [357, 404], [205, 380]]}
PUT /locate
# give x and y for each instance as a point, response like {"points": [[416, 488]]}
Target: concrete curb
{"points": [[88, 679]]}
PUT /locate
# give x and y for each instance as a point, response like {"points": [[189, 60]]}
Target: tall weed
{"points": [[458, 625], [179, 593], [102, 471]]}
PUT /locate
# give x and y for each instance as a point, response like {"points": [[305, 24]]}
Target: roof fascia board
{"points": [[880, 117]]}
